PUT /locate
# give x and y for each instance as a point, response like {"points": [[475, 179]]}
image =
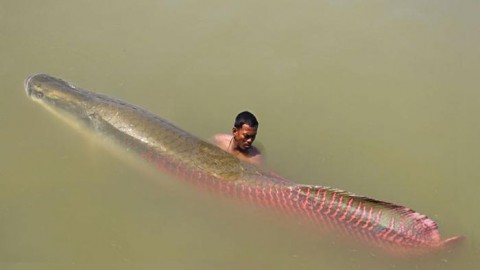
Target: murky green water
{"points": [[378, 98]]}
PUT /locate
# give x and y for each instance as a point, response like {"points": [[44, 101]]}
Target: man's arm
{"points": [[256, 160]]}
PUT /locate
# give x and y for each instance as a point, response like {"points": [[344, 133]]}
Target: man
{"points": [[240, 142]]}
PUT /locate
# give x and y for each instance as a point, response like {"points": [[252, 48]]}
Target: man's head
{"points": [[245, 129]]}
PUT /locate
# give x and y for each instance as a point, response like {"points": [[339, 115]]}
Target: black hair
{"points": [[245, 118]]}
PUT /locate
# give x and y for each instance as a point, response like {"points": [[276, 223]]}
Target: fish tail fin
{"points": [[452, 241]]}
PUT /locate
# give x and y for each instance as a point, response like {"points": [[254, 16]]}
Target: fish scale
{"points": [[173, 150]]}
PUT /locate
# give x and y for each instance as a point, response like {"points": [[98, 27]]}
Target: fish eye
{"points": [[39, 94]]}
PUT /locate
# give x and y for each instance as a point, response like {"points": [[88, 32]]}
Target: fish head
{"points": [[60, 97]]}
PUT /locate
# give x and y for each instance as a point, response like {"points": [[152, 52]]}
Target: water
{"points": [[377, 98]]}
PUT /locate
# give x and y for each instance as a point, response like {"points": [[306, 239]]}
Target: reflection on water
{"points": [[379, 99]]}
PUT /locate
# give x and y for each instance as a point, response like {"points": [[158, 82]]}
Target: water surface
{"points": [[377, 98]]}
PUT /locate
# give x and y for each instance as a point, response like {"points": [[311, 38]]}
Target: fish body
{"points": [[173, 150]]}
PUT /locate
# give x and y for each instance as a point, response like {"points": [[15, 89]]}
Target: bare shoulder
{"points": [[222, 140], [222, 137]]}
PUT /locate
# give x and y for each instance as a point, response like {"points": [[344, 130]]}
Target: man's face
{"points": [[244, 136]]}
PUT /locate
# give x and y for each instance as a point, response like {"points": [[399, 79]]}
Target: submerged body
{"points": [[174, 150]]}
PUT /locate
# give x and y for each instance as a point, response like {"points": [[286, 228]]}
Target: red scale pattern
{"points": [[394, 228]]}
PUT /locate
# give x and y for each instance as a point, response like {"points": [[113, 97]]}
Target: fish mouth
{"points": [[26, 84]]}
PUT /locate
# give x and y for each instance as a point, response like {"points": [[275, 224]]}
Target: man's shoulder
{"points": [[222, 140], [222, 137]]}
